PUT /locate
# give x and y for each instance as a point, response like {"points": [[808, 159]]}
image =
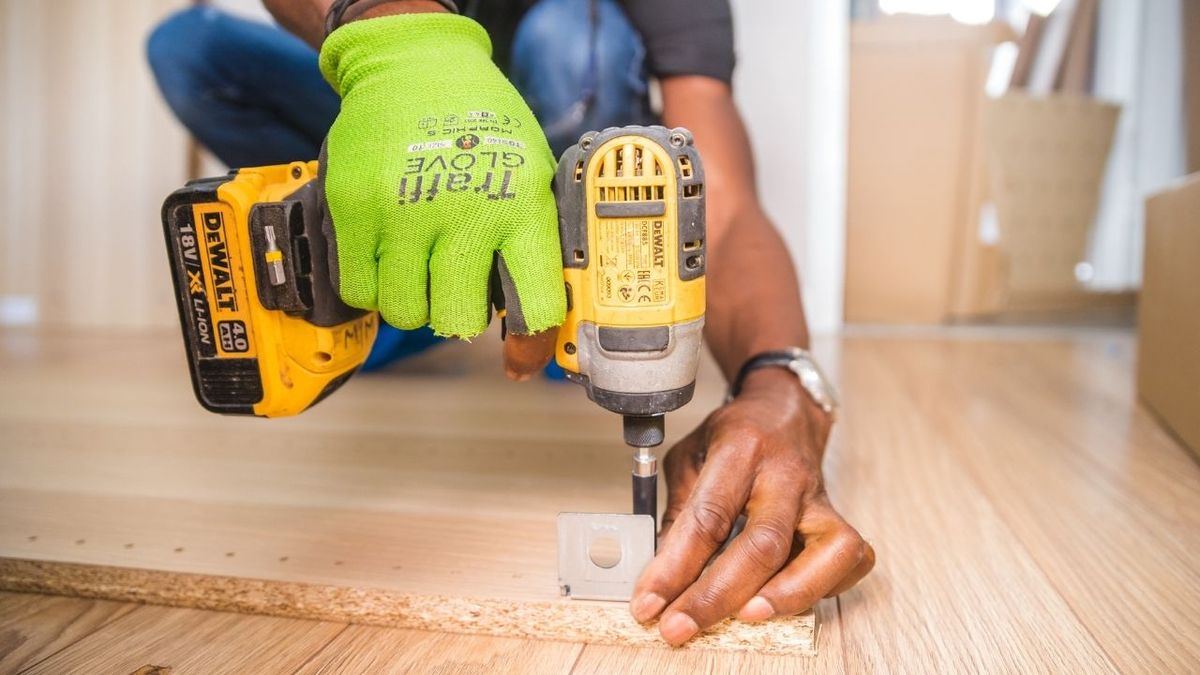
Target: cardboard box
{"points": [[1046, 162], [1169, 311], [1191, 65], [914, 160]]}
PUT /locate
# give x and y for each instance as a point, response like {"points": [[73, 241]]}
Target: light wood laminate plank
{"points": [[370, 649], [188, 640], [1107, 504], [32, 627], [955, 590]]}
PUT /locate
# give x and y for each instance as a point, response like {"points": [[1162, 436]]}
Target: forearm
{"points": [[753, 294], [306, 18]]}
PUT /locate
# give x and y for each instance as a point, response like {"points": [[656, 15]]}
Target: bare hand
{"points": [[525, 355], [759, 455]]}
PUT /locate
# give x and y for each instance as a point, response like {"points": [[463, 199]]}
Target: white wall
{"points": [[87, 153], [791, 86], [251, 9], [1139, 64]]}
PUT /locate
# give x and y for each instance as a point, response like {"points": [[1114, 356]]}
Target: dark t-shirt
{"points": [[682, 37]]}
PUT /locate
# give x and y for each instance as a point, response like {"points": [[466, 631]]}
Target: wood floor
{"points": [[1027, 514]]}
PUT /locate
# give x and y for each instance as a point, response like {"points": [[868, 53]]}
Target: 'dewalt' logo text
{"points": [[224, 292]]}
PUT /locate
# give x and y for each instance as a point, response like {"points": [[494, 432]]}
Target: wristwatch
{"points": [[800, 362]]}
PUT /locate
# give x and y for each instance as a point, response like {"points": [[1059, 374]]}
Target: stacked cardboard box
{"points": [[1169, 311]]}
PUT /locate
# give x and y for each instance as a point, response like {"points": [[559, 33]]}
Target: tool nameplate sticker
{"points": [[632, 263], [223, 293]]}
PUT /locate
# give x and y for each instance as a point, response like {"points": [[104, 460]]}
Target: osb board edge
{"points": [[568, 621]]}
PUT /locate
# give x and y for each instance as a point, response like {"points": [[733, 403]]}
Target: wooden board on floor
{"points": [[1027, 514], [422, 499]]}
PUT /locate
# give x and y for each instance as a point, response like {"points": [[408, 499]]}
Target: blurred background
{"points": [[929, 161]]}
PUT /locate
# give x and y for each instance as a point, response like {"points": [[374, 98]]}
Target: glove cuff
{"points": [[340, 8], [404, 37]]}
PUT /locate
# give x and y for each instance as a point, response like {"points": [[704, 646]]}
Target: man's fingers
{"points": [[681, 469], [753, 557], [531, 275], [700, 528], [458, 288], [856, 575], [833, 553], [525, 355]]}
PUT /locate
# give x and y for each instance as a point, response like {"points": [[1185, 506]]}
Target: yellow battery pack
{"points": [[263, 327]]}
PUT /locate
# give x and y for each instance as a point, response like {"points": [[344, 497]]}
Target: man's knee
{"points": [[176, 46], [556, 36], [180, 51], [557, 58]]}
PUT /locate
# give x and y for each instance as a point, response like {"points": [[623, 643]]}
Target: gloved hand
{"points": [[434, 165]]}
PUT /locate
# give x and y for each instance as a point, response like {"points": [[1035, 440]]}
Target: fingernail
{"points": [[678, 628], [645, 607], [758, 609]]}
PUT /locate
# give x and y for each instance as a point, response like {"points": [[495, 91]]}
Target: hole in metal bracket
{"points": [[605, 551]]}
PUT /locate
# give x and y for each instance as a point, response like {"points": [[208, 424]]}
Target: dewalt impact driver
{"points": [[266, 333]]}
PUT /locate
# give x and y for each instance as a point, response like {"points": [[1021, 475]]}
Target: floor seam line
{"points": [[578, 656], [115, 615], [325, 646]]}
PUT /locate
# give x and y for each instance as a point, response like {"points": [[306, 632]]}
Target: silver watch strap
{"points": [[798, 361]]}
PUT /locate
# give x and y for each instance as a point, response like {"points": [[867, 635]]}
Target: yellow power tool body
{"points": [[631, 221], [264, 330], [632, 225], [266, 333]]}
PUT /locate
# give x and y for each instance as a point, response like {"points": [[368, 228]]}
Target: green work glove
{"points": [[434, 165]]}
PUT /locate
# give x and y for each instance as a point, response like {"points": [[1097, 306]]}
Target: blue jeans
{"points": [[253, 95]]}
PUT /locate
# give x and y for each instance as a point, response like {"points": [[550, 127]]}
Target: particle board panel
{"points": [[401, 492], [33, 627], [594, 622], [606, 659]]}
